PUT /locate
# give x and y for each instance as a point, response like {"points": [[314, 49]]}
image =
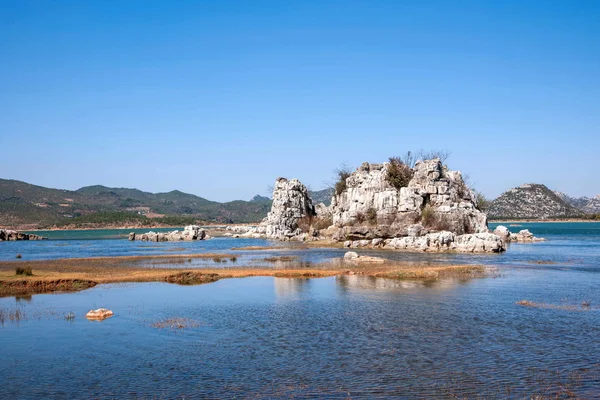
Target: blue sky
{"points": [[218, 98]]}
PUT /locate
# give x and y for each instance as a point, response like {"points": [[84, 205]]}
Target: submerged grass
{"points": [[175, 323], [585, 305], [275, 259]]}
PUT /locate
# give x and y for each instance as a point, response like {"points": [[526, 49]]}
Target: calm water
{"points": [[569, 245], [341, 337]]}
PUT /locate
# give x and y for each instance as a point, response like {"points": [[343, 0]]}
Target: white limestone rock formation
{"points": [[434, 199], [291, 202]]}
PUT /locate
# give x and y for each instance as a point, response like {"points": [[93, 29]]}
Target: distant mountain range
{"points": [[24, 204], [536, 201], [589, 205]]}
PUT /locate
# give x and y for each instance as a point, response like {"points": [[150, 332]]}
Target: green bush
{"points": [[342, 174], [372, 216], [360, 217], [432, 220], [427, 216], [482, 203], [398, 173]]}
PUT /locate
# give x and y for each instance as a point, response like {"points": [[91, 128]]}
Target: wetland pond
{"points": [[346, 336]]}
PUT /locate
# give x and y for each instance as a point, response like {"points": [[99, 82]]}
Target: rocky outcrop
{"points": [[522, 236], [189, 233], [433, 210], [434, 199], [531, 201], [437, 242], [9, 235], [291, 202]]}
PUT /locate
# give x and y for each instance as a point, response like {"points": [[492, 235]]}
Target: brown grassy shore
{"points": [[82, 273]]}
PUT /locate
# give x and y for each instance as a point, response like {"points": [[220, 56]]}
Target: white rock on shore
{"points": [[189, 233], [10, 235], [522, 236]]}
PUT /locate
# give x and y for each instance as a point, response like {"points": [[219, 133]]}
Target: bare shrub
{"points": [[305, 223], [399, 173], [443, 155], [322, 223], [315, 222], [23, 271], [409, 159]]}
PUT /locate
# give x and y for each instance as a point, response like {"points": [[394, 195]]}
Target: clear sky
{"points": [[218, 98]]}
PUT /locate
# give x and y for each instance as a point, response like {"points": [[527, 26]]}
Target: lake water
{"points": [[339, 337]]}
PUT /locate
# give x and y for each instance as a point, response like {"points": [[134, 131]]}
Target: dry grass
{"points": [[542, 262], [275, 259], [82, 273], [258, 248]]}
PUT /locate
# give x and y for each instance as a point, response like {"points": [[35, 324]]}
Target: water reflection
{"points": [[290, 288], [339, 337], [347, 282]]}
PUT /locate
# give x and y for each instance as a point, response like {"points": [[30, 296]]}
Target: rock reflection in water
{"points": [[290, 288], [347, 282]]}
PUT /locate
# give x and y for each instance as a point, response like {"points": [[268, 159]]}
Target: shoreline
{"points": [[532, 221], [110, 227], [82, 273], [213, 225]]}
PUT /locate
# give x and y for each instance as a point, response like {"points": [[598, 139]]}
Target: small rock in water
{"points": [[350, 255], [99, 314]]}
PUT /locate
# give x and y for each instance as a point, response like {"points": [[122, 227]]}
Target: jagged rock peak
{"points": [[290, 203], [429, 198]]}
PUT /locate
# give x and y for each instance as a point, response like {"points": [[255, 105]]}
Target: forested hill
{"points": [[26, 205], [23, 204]]}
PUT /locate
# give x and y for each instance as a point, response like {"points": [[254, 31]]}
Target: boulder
{"points": [[99, 314], [502, 232], [353, 256], [480, 243]]}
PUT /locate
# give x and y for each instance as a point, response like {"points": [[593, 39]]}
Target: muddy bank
{"points": [[192, 278], [28, 286]]}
